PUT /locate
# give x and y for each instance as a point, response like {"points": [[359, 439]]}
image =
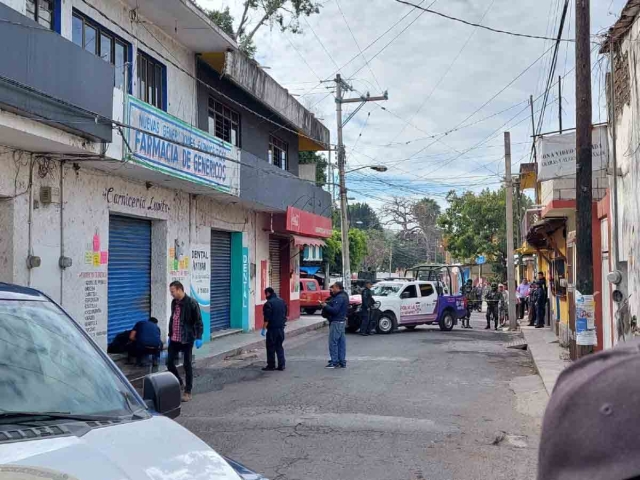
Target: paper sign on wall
{"points": [[585, 320]]}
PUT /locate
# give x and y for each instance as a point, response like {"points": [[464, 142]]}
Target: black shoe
{"points": [[281, 369], [343, 365], [539, 326], [488, 327], [364, 334], [532, 324], [496, 329], [269, 369], [330, 365]]}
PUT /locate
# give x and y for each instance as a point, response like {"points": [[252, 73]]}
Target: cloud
{"points": [[411, 68]]}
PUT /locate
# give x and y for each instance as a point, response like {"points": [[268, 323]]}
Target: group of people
{"points": [[531, 298]]}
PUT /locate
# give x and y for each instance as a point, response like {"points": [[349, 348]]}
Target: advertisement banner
{"points": [[166, 144], [245, 289], [557, 154], [585, 320], [201, 284], [306, 223]]}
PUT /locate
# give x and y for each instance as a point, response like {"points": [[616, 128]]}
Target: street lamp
{"points": [[377, 168]]}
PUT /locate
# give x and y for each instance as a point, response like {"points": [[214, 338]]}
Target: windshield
{"points": [[386, 290], [49, 366]]}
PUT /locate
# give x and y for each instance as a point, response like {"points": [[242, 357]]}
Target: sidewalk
{"points": [[546, 352], [225, 347]]}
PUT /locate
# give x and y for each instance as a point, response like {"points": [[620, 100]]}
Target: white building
{"points": [[129, 160]]}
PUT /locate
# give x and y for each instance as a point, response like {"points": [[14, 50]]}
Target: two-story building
{"points": [[138, 146]]}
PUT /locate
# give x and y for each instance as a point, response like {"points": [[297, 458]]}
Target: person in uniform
{"points": [[493, 302], [468, 294]]}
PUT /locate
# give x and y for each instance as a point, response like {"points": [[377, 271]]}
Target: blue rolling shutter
{"points": [[129, 298], [220, 280]]}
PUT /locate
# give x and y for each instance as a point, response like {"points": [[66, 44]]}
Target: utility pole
{"points": [[560, 103], [535, 153], [341, 85], [511, 277], [584, 243]]}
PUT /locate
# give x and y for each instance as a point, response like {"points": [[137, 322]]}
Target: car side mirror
{"points": [[161, 391]]}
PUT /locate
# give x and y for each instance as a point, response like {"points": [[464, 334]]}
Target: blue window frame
{"points": [[100, 41], [152, 81]]}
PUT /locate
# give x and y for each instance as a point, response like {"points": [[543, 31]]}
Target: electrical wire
{"points": [[495, 30]]}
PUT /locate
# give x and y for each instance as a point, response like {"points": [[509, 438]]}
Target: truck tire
{"points": [[310, 311], [447, 321], [386, 323]]}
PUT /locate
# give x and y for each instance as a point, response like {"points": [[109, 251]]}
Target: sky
{"points": [[453, 89]]}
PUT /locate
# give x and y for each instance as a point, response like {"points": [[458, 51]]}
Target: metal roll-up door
{"points": [[274, 264], [129, 281], [220, 280]]}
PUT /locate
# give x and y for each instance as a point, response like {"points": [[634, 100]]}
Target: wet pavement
{"points": [[413, 405]]}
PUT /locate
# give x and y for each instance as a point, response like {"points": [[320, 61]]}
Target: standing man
{"points": [[467, 292], [275, 316], [365, 309], [523, 293], [533, 299], [493, 300], [185, 330], [336, 311], [541, 308]]}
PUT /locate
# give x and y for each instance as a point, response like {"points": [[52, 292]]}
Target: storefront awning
{"points": [[300, 241], [538, 235], [526, 249], [310, 270]]}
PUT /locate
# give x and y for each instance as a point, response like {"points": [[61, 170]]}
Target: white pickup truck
{"points": [[409, 304]]}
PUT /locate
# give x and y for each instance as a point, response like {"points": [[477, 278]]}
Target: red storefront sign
{"points": [[310, 224]]}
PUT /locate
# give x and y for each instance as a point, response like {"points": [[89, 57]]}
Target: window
{"points": [[278, 152], [41, 11], [311, 286], [151, 75], [224, 123], [100, 41], [410, 292], [426, 290]]}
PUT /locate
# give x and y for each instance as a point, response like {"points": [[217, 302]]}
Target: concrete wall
{"points": [[628, 139], [254, 131], [565, 188], [186, 219]]}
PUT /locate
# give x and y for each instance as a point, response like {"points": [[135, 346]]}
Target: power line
{"points": [[358, 45], [320, 42], [444, 75], [495, 30]]}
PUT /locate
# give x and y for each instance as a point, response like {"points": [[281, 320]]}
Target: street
{"points": [[414, 405]]}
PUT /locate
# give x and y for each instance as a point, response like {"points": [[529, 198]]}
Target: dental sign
{"points": [[166, 144]]}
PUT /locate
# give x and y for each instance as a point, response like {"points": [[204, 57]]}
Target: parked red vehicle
{"points": [[311, 296]]}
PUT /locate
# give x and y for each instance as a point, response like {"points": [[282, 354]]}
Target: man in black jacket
{"points": [[335, 310], [275, 319], [185, 330], [365, 309]]}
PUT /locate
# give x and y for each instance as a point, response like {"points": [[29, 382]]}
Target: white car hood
{"points": [[153, 449]]}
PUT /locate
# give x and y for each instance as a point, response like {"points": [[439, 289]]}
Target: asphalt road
{"points": [[410, 406]]}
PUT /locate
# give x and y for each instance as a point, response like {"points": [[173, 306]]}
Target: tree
{"points": [[357, 250], [475, 224], [224, 20], [306, 158], [417, 224], [363, 217], [283, 13], [379, 244]]}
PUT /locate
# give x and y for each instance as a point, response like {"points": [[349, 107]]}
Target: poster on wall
{"points": [[585, 320], [201, 283]]}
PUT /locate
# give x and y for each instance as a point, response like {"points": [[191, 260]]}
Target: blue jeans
{"points": [[337, 343]]}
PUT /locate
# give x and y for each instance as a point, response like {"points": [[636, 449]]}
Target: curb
{"points": [[136, 379]]}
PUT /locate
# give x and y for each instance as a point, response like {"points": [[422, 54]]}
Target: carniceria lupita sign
{"points": [[166, 144], [557, 154]]}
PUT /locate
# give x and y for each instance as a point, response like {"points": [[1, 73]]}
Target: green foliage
{"points": [[320, 161], [357, 250], [475, 224], [363, 217], [224, 20]]}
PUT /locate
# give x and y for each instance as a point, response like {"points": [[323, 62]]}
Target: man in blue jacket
{"points": [[275, 319], [336, 312]]}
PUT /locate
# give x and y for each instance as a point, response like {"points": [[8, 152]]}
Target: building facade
{"points": [[138, 147]]}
